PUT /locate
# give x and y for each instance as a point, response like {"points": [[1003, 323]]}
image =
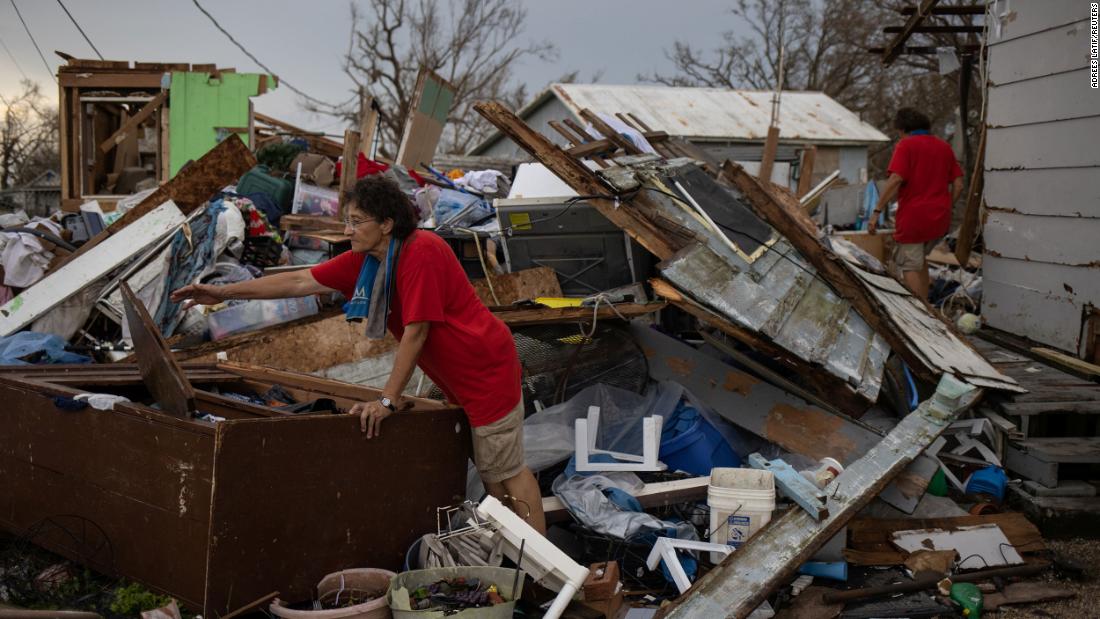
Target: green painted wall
{"points": [[198, 104]]}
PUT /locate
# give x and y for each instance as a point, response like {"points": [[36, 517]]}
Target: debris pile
{"points": [[744, 415]]}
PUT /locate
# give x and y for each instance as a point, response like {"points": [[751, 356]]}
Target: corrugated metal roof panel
{"points": [[723, 114]]}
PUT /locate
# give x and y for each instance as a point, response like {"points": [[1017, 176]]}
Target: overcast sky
{"points": [[303, 42]]}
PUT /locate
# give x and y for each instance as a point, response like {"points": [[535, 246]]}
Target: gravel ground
{"points": [[1083, 552]]}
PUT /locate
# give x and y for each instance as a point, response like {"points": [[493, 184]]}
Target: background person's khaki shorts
{"points": [[498, 447], [910, 256]]}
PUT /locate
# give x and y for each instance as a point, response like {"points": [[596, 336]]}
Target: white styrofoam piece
{"points": [[89, 267], [536, 549], [586, 445], [665, 548], [979, 546]]}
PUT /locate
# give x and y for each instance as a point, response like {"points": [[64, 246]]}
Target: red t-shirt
{"points": [[469, 352], [928, 166]]}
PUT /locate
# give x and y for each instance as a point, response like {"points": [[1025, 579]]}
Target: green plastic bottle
{"points": [[969, 597]]}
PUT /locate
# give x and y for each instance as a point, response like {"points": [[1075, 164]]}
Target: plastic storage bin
{"points": [[313, 200], [252, 315], [741, 503], [500, 576], [689, 443], [258, 180]]}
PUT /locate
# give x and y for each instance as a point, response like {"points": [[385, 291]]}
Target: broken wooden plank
{"points": [[806, 171], [428, 113], [870, 544], [311, 223], [73, 277], [159, 370], [1079, 366], [1026, 593], [655, 495], [894, 47], [128, 127], [609, 133], [578, 177], [525, 317], [189, 189], [771, 557], [968, 229], [767, 160], [350, 162]]}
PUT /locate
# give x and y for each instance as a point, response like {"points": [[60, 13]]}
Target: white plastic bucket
{"points": [[741, 503]]}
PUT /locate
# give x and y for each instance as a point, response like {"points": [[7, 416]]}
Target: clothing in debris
{"points": [[23, 256], [469, 352], [928, 166], [27, 347]]}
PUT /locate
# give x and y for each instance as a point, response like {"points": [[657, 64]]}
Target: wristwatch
{"points": [[388, 403]]}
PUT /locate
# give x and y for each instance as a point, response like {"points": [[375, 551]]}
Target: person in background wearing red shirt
{"points": [[438, 320], [927, 181]]}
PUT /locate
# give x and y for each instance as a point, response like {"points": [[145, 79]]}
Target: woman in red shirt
{"points": [[438, 320]]}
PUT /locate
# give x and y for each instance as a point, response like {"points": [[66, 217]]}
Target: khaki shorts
{"points": [[498, 447], [910, 256]]}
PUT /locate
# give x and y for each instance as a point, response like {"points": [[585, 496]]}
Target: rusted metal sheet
{"points": [[775, 414], [745, 578], [217, 515], [743, 270], [299, 497], [723, 114], [790, 305]]}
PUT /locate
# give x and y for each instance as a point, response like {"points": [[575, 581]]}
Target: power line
{"points": [[254, 59], [73, 19], [25, 27], [13, 60]]}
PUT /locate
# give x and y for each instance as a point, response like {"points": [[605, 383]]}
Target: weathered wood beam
{"points": [[947, 10], [145, 112], [969, 226], [936, 29], [890, 54], [578, 177], [350, 158], [608, 132]]}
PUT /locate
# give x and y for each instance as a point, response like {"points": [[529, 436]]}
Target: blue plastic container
{"points": [[991, 480], [689, 443]]}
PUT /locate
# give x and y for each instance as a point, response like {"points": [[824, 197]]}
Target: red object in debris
{"points": [[366, 167]]}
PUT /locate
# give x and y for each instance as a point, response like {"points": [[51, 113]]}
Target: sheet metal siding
{"points": [[786, 302], [1042, 262], [719, 113]]}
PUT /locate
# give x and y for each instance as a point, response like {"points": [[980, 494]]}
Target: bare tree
{"points": [[28, 137], [476, 45], [826, 47]]}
